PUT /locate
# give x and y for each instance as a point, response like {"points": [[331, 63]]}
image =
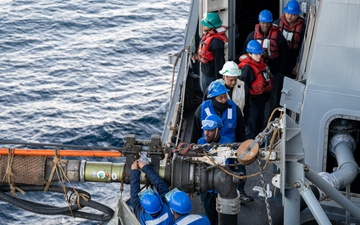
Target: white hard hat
{"points": [[231, 69]]}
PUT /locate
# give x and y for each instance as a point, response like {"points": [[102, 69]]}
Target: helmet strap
{"points": [[217, 135]]}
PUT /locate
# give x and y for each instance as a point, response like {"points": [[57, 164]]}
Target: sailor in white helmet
{"points": [[230, 78]]}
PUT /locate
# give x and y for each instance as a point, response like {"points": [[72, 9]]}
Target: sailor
{"points": [[237, 89], [276, 55], [149, 207], [180, 206], [219, 104], [292, 27], [212, 126], [258, 80], [210, 51], [233, 124]]}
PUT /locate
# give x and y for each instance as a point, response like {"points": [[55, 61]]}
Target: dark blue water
{"points": [[85, 73]]}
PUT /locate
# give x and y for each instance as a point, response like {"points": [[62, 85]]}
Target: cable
{"points": [[72, 210]]}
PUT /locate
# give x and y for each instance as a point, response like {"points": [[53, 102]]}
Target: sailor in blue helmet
{"points": [[233, 125], [272, 41], [219, 104], [259, 83], [212, 127], [149, 207], [180, 205], [292, 26], [276, 56]]}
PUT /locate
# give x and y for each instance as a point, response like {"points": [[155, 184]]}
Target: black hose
{"points": [[227, 219], [54, 210]]}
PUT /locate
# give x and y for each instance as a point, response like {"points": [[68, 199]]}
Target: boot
{"points": [[244, 198]]}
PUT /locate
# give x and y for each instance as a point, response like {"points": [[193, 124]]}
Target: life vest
{"points": [[203, 53], [228, 117], [192, 219], [238, 93], [292, 33], [272, 36], [259, 85], [164, 218]]}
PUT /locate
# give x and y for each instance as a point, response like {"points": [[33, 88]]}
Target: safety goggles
{"points": [[208, 123], [147, 191], [232, 71], [170, 193]]}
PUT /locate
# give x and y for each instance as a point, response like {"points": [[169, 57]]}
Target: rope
{"points": [[57, 161], [271, 147], [9, 173], [226, 171], [273, 112]]}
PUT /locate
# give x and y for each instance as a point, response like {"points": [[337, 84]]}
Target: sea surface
{"points": [[84, 73]]}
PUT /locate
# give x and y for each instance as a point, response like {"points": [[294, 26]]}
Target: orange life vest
{"points": [[295, 29], [272, 36], [203, 53], [259, 85]]}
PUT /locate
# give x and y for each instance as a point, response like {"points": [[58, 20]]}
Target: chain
{"points": [[265, 193]]}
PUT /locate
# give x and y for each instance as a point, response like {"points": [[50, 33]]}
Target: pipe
{"points": [[89, 171], [313, 204], [196, 177], [324, 186], [341, 147], [227, 209]]}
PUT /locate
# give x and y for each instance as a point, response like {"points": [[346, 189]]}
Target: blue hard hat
{"points": [[292, 7], [151, 202], [265, 16], [180, 202], [216, 88], [254, 47], [211, 122], [211, 20]]}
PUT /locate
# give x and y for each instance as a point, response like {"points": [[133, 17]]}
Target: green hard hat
{"points": [[211, 20]]}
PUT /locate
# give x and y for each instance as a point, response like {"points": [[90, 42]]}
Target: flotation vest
{"points": [[272, 36], [192, 219], [203, 53], [228, 117], [292, 33], [238, 93], [259, 85], [164, 218]]}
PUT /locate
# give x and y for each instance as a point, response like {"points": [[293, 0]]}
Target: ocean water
{"points": [[84, 73]]}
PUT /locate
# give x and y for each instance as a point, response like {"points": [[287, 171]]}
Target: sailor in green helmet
{"points": [[210, 51]]}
